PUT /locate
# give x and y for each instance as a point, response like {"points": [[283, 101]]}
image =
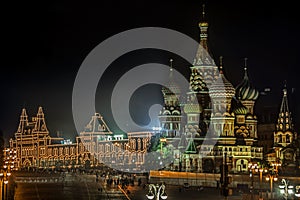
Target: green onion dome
{"points": [[238, 108]]}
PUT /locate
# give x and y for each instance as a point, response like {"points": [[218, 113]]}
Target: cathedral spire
{"points": [[284, 119], [245, 69], [221, 64], [203, 11], [171, 68], [203, 54], [284, 103]]}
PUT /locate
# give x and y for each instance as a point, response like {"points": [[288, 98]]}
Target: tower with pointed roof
{"points": [[203, 73], [23, 121], [284, 133], [171, 115], [286, 144]]}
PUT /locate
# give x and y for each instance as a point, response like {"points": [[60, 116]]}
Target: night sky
{"points": [[44, 44]]}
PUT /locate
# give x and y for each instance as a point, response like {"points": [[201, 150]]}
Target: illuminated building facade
{"points": [[95, 144], [214, 109]]}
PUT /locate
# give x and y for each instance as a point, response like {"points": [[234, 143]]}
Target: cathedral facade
{"points": [[220, 125]]}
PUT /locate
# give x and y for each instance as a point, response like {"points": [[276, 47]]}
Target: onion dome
{"points": [[238, 108], [221, 88], [171, 87], [245, 90]]}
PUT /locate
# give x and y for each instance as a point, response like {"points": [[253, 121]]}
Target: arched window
{"points": [[280, 139], [288, 139]]}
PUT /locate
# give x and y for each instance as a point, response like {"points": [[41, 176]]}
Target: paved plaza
{"points": [[73, 186], [86, 187]]}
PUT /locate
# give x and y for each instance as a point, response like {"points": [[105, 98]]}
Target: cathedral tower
{"points": [[203, 73], [170, 116], [284, 133]]}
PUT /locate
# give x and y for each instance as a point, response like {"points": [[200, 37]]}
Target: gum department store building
{"points": [[213, 106]]}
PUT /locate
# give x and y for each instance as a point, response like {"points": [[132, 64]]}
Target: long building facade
{"points": [[95, 145]]}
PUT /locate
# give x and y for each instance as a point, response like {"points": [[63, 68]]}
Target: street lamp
{"points": [[276, 165], [4, 176], [271, 178], [261, 170], [286, 189], [157, 191], [252, 168], [9, 156], [255, 168]]}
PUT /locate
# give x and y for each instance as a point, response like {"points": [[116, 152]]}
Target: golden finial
{"points": [[221, 64], [285, 83], [285, 88], [203, 11], [171, 64], [245, 63]]}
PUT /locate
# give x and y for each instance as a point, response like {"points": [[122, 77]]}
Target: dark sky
{"points": [[44, 44]]}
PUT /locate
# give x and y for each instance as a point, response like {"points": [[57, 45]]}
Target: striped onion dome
{"points": [[245, 91], [240, 109], [221, 88]]}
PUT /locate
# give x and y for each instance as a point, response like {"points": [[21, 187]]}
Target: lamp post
{"points": [[253, 167], [6, 171], [286, 189], [261, 170], [271, 178], [157, 191], [4, 176], [276, 165]]}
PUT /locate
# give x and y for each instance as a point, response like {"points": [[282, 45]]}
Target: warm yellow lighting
{"points": [[275, 178], [1, 174], [267, 178], [5, 182], [8, 173]]}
